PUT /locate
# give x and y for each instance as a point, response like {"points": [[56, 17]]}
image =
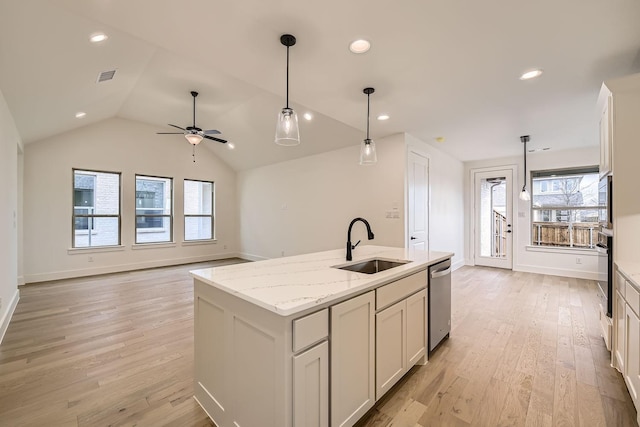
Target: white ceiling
{"points": [[440, 68]]}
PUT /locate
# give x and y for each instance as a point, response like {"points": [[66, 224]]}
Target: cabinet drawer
{"points": [[400, 289], [633, 297], [310, 329], [620, 284]]}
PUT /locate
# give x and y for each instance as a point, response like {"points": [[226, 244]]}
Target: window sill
{"points": [[560, 250], [199, 242], [152, 230], [152, 245], [95, 249]]}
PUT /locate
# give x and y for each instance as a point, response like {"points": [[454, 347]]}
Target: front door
{"points": [[493, 218]]}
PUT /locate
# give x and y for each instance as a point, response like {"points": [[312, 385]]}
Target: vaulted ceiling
{"points": [[440, 69]]}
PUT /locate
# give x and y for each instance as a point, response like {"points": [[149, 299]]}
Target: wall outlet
{"points": [[90, 259], [578, 260], [282, 253]]}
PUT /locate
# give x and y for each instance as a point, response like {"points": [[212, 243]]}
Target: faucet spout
{"points": [[349, 246]]}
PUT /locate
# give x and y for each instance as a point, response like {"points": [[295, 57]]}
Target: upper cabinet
{"points": [[606, 128]]}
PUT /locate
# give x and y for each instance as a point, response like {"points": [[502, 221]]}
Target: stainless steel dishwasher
{"points": [[439, 303]]}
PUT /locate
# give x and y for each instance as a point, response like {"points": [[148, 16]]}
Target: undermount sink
{"points": [[372, 266]]}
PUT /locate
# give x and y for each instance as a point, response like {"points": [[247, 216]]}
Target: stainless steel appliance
{"points": [[605, 196], [439, 303], [605, 270]]}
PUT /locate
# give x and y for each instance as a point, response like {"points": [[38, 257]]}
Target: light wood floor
{"points": [[118, 350]]}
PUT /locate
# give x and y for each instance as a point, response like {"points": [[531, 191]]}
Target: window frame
{"points": [[170, 216], [90, 217], [212, 215], [553, 211]]}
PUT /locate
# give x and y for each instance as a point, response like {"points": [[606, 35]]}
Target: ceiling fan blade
{"points": [[169, 133], [177, 127], [212, 132], [215, 139]]}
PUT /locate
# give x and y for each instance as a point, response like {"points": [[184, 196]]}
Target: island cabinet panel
{"points": [[352, 359], [619, 340], [391, 346], [311, 387], [417, 328], [632, 369]]}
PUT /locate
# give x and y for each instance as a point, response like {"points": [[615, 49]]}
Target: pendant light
{"points": [[368, 148], [524, 194], [287, 132]]}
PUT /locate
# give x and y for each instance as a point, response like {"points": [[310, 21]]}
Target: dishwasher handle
{"points": [[440, 273]]}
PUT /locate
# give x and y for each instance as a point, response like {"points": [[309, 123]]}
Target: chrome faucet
{"points": [[369, 236]]}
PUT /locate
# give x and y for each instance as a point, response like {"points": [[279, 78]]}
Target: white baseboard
{"points": [[456, 265], [578, 274], [20, 280], [251, 257], [94, 271], [8, 314]]}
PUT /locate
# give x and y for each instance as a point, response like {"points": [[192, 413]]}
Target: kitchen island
{"points": [[297, 341]]}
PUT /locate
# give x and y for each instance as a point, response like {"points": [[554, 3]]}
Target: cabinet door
{"points": [[632, 370], [352, 359], [619, 336], [605, 138], [391, 346], [311, 387], [417, 328]]}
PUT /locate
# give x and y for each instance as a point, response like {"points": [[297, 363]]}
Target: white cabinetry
{"points": [[401, 340], [311, 387], [606, 128], [352, 359], [632, 371], [619, 331]]}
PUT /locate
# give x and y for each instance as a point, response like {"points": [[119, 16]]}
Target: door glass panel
{"points": [[493, 219]]}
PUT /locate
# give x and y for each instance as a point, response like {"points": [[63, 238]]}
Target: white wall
{"points": [[306, 205], [560, 262], [116, 145], [9, 145], [446, 200]]}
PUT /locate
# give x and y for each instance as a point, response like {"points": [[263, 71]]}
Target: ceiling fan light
{"points": [[368, 152], [287, 132], [193, 138]]}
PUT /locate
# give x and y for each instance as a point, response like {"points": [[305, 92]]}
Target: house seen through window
{"points": [[154, 209], [96, 209], [198, 210], [565, 207]]}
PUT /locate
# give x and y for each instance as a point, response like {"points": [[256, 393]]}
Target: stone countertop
{"points": [[294, 284], [631, 269]]}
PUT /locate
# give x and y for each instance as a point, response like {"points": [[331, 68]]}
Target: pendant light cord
{"points": [[525, 166], [368, 103], [194, 111], [287, 77]]}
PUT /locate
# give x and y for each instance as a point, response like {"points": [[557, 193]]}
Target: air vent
{"points": [[105, 76]]}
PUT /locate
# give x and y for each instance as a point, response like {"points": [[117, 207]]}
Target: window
{"points": [[96, 209], [565, 207], [198, 210], [154, 209]]}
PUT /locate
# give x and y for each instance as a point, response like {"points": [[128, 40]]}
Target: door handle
{"points": [[413, 238]]}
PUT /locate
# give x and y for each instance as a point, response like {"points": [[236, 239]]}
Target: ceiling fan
{"points": [[194, 134]]}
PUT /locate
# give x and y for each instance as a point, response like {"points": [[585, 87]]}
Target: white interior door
{"points": [[418, 201], [493, 220]]}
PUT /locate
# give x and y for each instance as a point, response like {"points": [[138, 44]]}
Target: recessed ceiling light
{"points": [[359, 46], [307, 116], [80, 114], [531, 74], [98, 37], [383, 117], [231, 145]]}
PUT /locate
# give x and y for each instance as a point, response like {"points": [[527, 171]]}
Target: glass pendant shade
{"points": [[193, 138], [368, 152], [287, 132], [524, 195]]}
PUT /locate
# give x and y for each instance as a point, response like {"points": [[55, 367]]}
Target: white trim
{"points": [[199, 242], [152, 245], [68, 274], [6, 318], [251, 257], [458, 264], [561, 250], [578, 274], [20, 280], [95, 249]]}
